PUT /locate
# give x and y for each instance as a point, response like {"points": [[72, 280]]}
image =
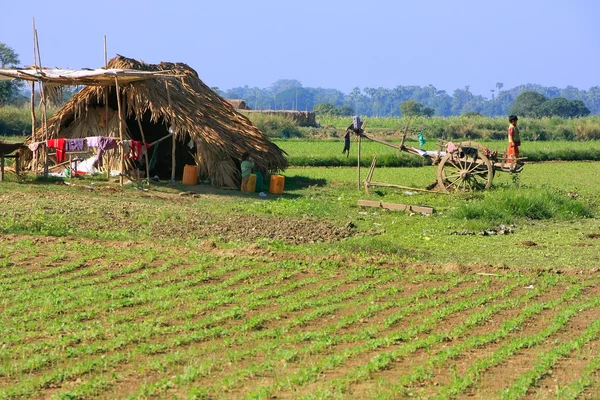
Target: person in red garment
{"points": [[514, 138]]}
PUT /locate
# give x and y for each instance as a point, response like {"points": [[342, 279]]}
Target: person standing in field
{"points": [[514, 138], [247, 165]]}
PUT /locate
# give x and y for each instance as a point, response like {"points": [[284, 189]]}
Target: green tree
{"points": [[8, 59], [527, 104], [579, 109], [558, 106], [330, 109], [324, 109], [411, 108], [345, 111]]}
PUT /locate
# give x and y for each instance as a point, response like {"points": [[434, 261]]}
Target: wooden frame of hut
{"points": [[205, 129]]}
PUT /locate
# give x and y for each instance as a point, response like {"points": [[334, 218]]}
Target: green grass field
{"points": [[116, 292], [317, 152]]}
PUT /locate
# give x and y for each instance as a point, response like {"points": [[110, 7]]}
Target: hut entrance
{"points": [[161, 152]]}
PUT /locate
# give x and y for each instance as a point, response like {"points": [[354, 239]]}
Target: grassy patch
{"points": [[509, 205], [328, 153]]}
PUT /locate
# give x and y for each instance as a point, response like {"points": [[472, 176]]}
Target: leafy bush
{"points": [[275, 126], [16, 121]]}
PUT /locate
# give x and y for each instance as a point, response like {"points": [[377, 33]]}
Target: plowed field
{"points": [[84, 318]]}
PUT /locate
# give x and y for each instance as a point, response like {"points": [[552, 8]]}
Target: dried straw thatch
{"points": [[208, 129], [238, 104]]}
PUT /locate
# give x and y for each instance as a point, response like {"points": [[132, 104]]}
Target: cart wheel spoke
{"points": [[452, 162]]}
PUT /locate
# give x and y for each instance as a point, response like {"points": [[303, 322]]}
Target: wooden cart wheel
{"points": [[482, 148], [462, 170]]}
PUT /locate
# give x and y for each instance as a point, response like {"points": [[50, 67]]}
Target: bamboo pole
{"points": [[174, 141], [382, 184], [122, 162], [44, 114], [358, 153], [33, 121], [105, 55], [106, 92], [33, 137], [144, 143]]}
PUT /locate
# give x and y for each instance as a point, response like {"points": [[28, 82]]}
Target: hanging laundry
{"points": [[34, 148], [126, 146], [74, 144], [59, 145], [347, 143], [137, 150], [103, 144]]}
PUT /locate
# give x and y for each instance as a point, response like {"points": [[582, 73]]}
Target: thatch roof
{"points": [[180, 102], [238, 104]]}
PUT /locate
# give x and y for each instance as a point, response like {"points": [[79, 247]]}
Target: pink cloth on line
{"points": [[92, 141], [102, 143], [34, 146]]}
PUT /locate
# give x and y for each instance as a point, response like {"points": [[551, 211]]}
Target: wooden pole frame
{"points": [[358, 166], [106, 93], [145, 150], [33, 120], [122, 162], [174, 141], [37, 62]]}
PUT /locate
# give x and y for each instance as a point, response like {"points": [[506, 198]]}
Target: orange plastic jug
{"points": [[276, 185], [190, 175], [251, 183]]}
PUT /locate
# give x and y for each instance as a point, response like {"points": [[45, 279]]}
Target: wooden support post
{"points": [[33, 136], [174, 141], [370, 175], [145, 148], [32, 105], [381, 184], [2, 167], [122, 163], [43, 95], [106, 93], [105, 55], [358, 167]]}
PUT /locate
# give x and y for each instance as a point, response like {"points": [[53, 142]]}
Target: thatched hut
{"points": [[238, 104], [208, 130]]}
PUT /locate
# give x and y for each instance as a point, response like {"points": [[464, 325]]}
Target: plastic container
{"points": [[190, 175], [251, 183], [277, 182], [259, 182]]}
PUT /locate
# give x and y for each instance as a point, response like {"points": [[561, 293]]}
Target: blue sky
{"points": [[328, 43]]}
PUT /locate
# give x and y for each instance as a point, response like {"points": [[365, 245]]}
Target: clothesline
{"points": [[133, 148]]}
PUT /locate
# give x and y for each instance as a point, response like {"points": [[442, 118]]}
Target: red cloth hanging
{"points": [[59, 145]]}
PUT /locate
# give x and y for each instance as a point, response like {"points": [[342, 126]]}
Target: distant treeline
{"points": [[16, 121], [289, 94]]}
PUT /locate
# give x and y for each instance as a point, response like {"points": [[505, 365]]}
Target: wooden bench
{"points": [[5, 152]]}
